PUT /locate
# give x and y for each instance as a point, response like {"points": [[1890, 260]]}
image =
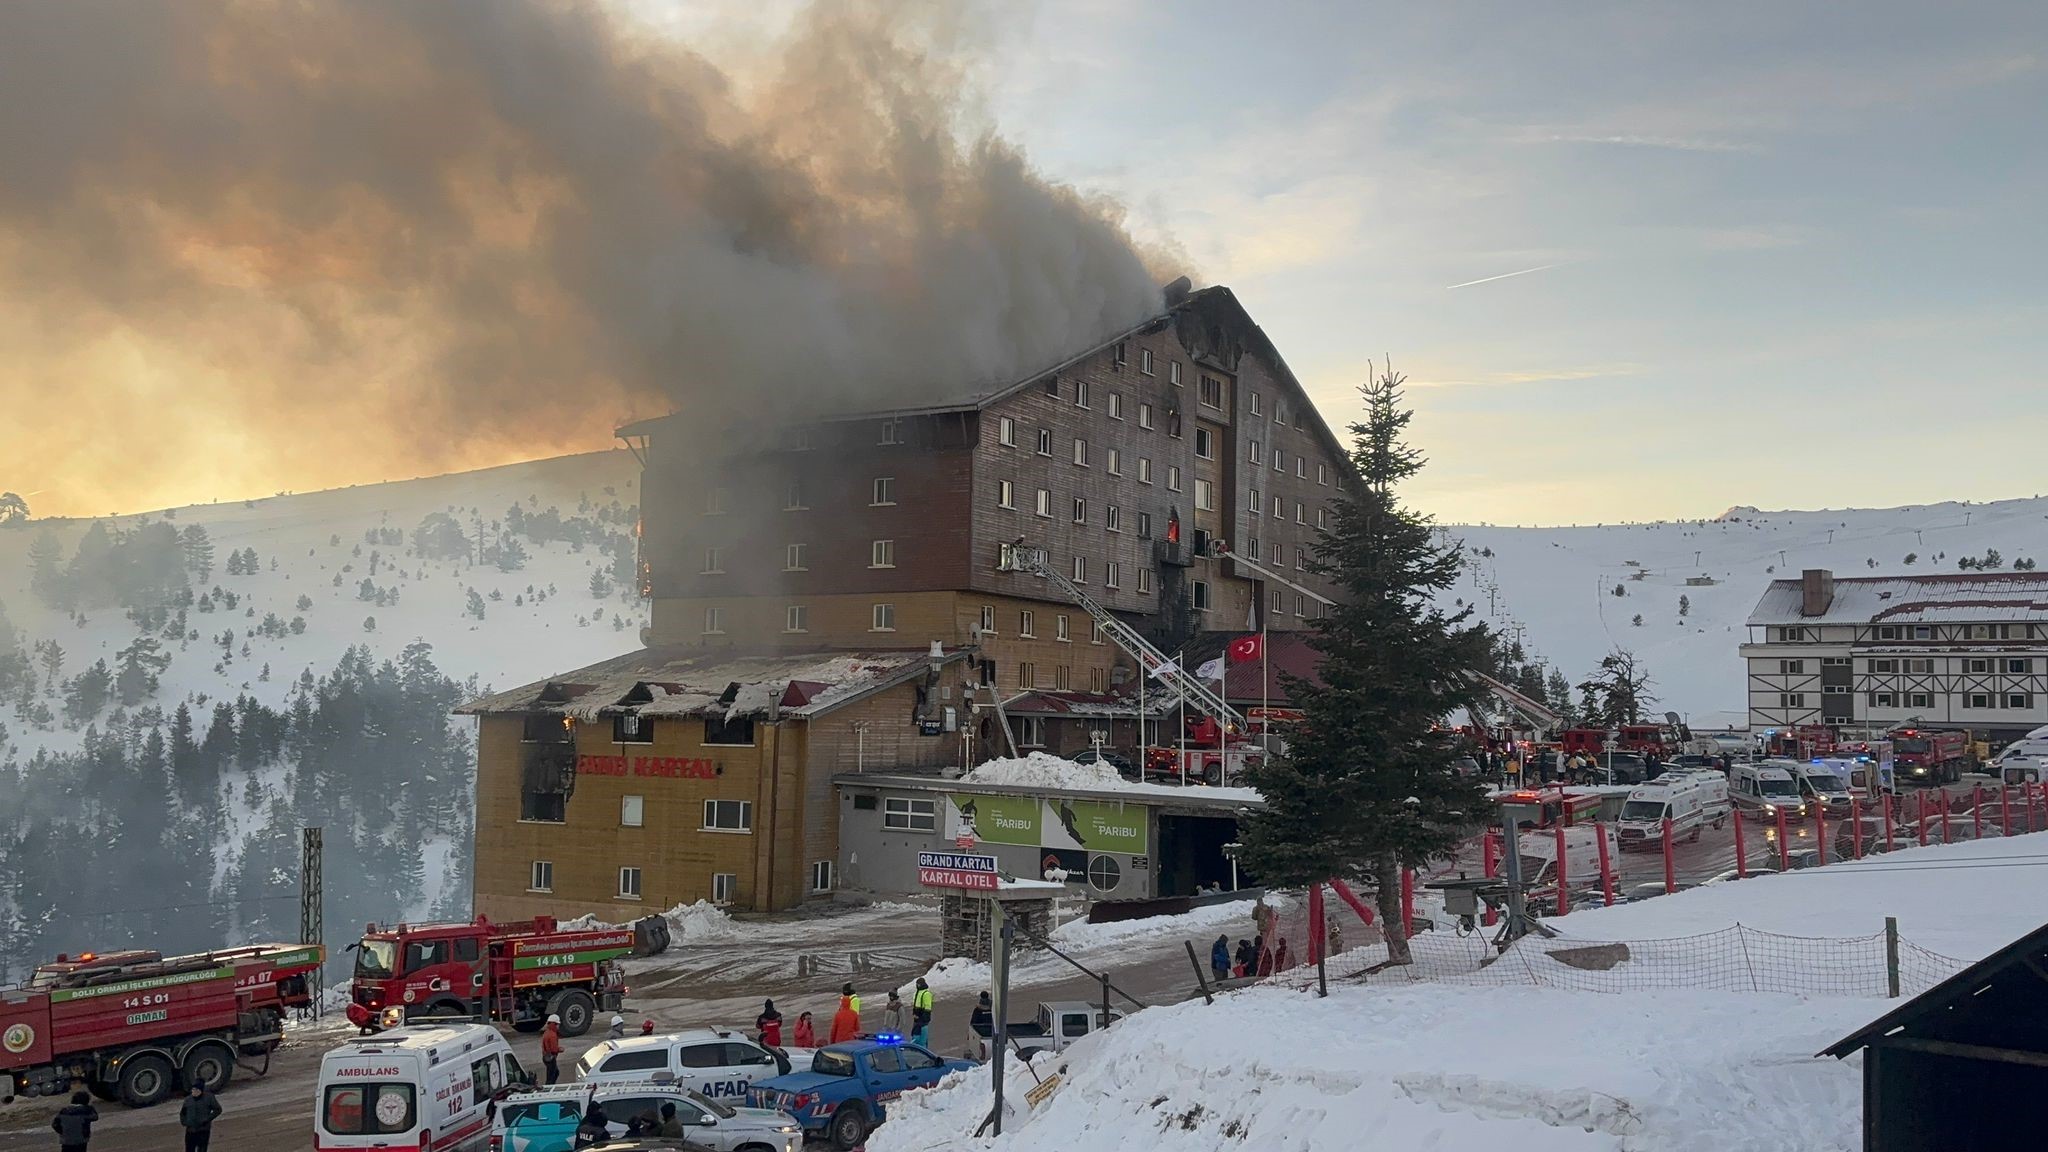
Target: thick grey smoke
{"points": [[434, 233]]}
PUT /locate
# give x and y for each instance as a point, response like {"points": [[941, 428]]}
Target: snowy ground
{"points": [[1453, 1065], [313, 537], [1559, 582]]}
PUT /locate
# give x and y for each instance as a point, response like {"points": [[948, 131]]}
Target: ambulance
{"points": [[415, 1088]]}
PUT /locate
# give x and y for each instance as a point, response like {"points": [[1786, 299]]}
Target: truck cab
{"points": [[849, 1086], [1058, 1024]]}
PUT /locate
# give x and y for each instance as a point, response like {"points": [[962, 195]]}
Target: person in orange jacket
{"points": [[845, 1022], [551, 1048]]}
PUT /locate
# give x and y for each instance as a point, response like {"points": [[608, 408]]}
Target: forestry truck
{"points": [[1920, 756], [517, 973], [138, 1026]]}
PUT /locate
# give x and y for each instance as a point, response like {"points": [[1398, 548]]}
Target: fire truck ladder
{"points": [[1184, 684]]}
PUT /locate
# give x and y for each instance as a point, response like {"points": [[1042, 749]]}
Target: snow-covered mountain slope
{"points": [[1559, 583], [539, 619]]}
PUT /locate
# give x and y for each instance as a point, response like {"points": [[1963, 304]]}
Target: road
{"points": [[800, 962]]}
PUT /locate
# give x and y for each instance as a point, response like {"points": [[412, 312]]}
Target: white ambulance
{"points": [[421, 1086], [1690, 800]]}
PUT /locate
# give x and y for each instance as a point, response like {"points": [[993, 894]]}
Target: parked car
{"points": [[716, 1062], [846, 1092], [1121, 763], [1738, 874], [545, 1119], [1058, 1024], [1465, 766], [1624, 767], [1650, 891]]}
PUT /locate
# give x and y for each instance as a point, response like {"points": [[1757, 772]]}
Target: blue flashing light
{"points": [[889, 1038]]}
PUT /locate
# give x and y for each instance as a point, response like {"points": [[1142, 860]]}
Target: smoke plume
{"points": [[248, 245]]}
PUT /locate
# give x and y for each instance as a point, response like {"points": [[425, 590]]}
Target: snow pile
{"points": [[1043, 770], [700, 923], [1196, 924], [1433, 1068]]}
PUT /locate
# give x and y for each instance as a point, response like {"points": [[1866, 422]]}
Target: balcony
{"points": [[1176, 553]]}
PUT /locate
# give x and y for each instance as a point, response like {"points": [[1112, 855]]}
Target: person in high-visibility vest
{"points": [[921, 1013]]}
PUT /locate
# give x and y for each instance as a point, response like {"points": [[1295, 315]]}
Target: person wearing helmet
{"points": [[647, 1027], [551, 1047], [618, 1031]]}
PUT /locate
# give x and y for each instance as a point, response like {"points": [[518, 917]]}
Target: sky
{"points": [[1637, 261]]}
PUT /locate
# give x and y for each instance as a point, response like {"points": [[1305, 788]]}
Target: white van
{"points": [[717, 1062], [422, 1086], [1823, 785], [1689, 800], [1765, 788], [2030, 748], [1581, 855]]}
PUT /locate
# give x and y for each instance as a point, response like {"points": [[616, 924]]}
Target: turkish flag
{"points": [[1246, 649]]}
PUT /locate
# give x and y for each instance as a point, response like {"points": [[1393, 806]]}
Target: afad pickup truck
{"points": [[845, 1094]]}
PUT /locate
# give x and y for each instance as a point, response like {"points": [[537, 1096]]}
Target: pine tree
{"points": [[1684, 604], [600, 585], [1619, 692], [46, 570], [141, 663], [1366, 786], [197, 547], [13, 510], [475, 605]]}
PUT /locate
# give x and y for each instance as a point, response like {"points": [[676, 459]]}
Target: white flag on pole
{"points": [[1159, 670], [1213, 670]]}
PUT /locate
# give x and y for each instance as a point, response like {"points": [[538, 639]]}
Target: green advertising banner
{"points": [[1100, 826], [998, 819]]}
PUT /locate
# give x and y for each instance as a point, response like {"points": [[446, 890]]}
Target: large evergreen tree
{"points": [[1366, 787]]}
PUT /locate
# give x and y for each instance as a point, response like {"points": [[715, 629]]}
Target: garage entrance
{"points": [[1191, 854]]}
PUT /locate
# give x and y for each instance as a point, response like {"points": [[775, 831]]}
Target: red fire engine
{"points": [[1921, 756], [518, 973], [1662, 739], [137, 1025]]}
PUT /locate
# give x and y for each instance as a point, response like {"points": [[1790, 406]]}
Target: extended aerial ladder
{"points": [[1182, 683]]}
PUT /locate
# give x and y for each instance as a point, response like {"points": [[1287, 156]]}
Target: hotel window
{"points": [[2018, 700], [1144, 581], [714, 502], [1059, 677], [1097, 682], [1254, 397], [1144, 469], [1300, 605], [1921, 666], [1322, 474], [1300, 467], [1144, 415], [629, 883], [1920, 699], [892, 431], [1173, 372], [1834, 661], [1204, 444], [728, 816], [1198, 594], [1791, 667], [725, 887], [1080, 569], [1254, 451], [629, 728], [1114, 462], [1080, 452], [1173, 477], [1253, 547], [1059, 628], [1145, 361], [1205, 495], [796, 618], [1095, 632], [1300, 513], [1279, 411], [1007, 432], [1882, 700], [1888, 632], [1027, 624], [1278, 458], [1111, 574], [1027, 677], [793, 558], [1275, 557], [1279, 601], [1212, 391], [1321, 518], [821, 876], [1279, 508], [1031, 729], [1118, 357], [1980, 631], [1922, 632], [1884, 665], [1301, 559], [988, 619], [882, 554], [1045, 441], [1258, 506], [1980, 700], [1144, 525], [793, 497], [1052, 386], [714, 561], [2019, 667], [885, 491], [883, 618], [1980, 665], [1116, 404], [1114, 519], [1006, 494], [1080, 510], [1045, 502], [543, 876], [1791, 699], [1080, 393], [714, 621]]}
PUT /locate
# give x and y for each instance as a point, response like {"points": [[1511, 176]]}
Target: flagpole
{"points": [[1265, 690], [1177, 657]]}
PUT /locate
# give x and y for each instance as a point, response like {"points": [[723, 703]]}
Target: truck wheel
{"points": [[101, 1089], [146, 1080], [849, 1127], [576, 1009], [210, 1063]]}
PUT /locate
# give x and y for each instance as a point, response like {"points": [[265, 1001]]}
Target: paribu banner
{"points": [[1028, 821]]}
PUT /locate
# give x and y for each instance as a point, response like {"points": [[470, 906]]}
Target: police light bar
{"points": [[889, 1038]]}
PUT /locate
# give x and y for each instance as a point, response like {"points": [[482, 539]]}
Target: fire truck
{"points": [[137, 1025], [1661, 739], [1923, 756], [516, 973]]}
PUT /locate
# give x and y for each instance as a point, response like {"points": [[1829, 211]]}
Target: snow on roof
{"points": [[1042, 770], [692, 682], [1985, 596]]}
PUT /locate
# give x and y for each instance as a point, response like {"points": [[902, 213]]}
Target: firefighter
{"points": [[846, 1021], [196, 1115], [551, 1047], [618, 1031], [768, 1025]]}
